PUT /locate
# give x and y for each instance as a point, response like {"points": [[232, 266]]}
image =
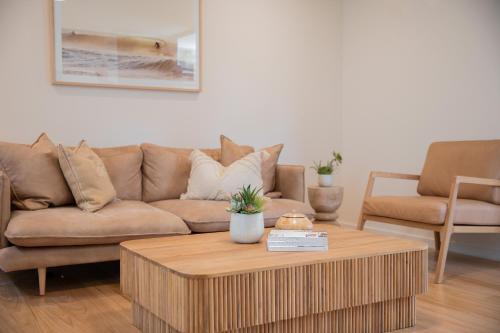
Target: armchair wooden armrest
{"points": [[381, 174], [476, 180], [371, 182]]}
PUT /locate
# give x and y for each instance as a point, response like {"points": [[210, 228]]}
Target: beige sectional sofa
{"points": [[148, 180]]}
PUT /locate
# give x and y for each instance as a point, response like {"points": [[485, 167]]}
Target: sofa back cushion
{"points": [[36, 178], [166, 170], [231, 152], [445, 160], [124, 168]]}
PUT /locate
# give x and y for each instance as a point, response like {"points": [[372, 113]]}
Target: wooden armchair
{"points": [[459, 193]]}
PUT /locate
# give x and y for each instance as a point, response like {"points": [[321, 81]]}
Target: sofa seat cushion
{"points": [[211, 216], [432, 210], [117, 222]]}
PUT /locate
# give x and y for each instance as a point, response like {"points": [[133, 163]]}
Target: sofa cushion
{"points": [[36, 178], [119, 221], [445, 160], [124, 168], [209, 180], [87, 177], [210, 216], [432, 210], [166, 171], [230, 152]]}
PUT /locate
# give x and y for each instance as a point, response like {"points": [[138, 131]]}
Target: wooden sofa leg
{"points": [[42, 273], [443, 252]]}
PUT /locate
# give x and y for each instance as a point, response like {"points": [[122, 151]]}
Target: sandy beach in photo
{"points": [[94, 54]]}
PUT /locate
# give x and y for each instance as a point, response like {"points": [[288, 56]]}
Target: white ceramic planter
{"points": [[246, 228], [325, 180]]}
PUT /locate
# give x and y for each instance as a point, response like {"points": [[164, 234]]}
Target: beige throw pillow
{"points": [[87, 177], [231, 152], [210, 180], [36, 178]]}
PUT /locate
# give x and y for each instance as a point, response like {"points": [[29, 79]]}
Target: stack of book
{"points": [[297, 240]]}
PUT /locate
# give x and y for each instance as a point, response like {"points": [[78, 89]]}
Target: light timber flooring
{"points": [[87, 298]]}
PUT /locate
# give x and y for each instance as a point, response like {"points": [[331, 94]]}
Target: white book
{"points": [[297, 240], [297, 248], [299, 234]]}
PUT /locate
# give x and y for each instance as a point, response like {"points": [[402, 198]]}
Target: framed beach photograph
{"points": [[142, 44]]}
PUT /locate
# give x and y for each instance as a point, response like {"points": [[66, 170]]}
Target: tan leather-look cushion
{"points": [[445, 160], [211, 216], [432, 210], [166, 171], [36, 178], [87, 177], [290, 182], [231, 152], [274, 195], [124, 168], [115, 223]]}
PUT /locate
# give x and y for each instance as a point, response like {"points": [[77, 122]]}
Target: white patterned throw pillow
{"points": [[210, 180]]}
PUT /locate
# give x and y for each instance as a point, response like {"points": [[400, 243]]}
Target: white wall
{"points": [[272, 68], [416, 71]]}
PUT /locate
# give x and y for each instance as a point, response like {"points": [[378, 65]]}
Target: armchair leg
{"points": [[443, 252], [361, 222], [42, 272], [437, 240]]}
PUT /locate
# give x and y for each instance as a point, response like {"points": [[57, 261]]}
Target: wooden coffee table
{"points": [[206, 283]]}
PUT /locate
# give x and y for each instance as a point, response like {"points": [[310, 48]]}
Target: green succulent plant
{"points": [[330, 165], [247, 201]]}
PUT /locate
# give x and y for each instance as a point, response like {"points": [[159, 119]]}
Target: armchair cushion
{"points": [[445, 160], [432, 210]]}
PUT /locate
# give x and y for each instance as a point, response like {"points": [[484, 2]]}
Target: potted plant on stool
{"points": [[247, 219], [325, 177]]}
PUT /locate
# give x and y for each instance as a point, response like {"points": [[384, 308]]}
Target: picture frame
{"points": [[147, 44]]}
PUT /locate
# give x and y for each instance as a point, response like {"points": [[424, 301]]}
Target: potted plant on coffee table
{"points": [[325, 172], [247, 219]]}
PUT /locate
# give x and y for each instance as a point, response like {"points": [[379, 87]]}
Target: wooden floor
{"points": [[87, 298]]}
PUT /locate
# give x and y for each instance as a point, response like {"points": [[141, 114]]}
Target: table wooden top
{"points": [[214, 254]]}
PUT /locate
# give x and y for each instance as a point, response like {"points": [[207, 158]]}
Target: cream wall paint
{"points": [[414, 72], [272, 69]]}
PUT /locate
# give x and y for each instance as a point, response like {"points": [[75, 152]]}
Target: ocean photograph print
{"points": [[146, 44]]}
